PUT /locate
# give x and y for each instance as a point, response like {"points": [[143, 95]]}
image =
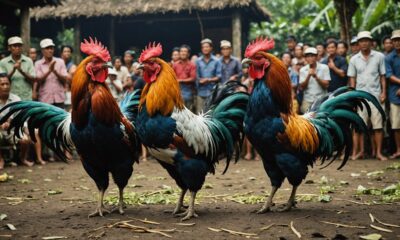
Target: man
{"points": [[122, 71], [314, 79], [231, 68], [387, 45], [367, 72], [392, 64], [7, 139], [137, 77], [291, 43], [51, 75], [294, 77], [114, 84], [129, 57], [185, 72], [321, 52], [337, 67], [208, 71], [19, 68], [354, 48], [32, 54]]}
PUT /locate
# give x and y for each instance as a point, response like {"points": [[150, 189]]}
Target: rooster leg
{"points": [[121, 204], [190, 211], [100, 206], [179, 204], [268, 203], [291, 202]]}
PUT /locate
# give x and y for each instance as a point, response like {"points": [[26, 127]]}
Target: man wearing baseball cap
{"points": [[51, 75], [314, 79], [392, 64], [354, 48], [19, 68], [231, 68], [367, 72]]}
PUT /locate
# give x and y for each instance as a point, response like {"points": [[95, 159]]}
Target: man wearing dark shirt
{"points": [[185, 72], [231, 69], [337, 67]]}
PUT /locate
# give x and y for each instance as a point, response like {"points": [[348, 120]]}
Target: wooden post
{"points": [[25, 28], [237, 33], [112, 37], [77, 42]]}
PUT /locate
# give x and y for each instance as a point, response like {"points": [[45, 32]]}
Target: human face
{"points": [[226, 51], [341, 49], [396, 44], [4, 86], [298, 52], [354, 48], [286, 59], [388, 45], [15, 49], [184, 53], [365, 44], [331, 49], [66, 53], [117, 63], [32, 54], [320, 50], [128, 59], [206, 49], [311, 59], [291, 44], [175, 56], [48, 52]]}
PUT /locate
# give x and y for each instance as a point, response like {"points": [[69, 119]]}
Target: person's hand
{"points": [[52, 65], [331, 64], [232, 78], [17, 65], [34, 96], [203, 80], [312, 72], [5, 125], [382, 97]]}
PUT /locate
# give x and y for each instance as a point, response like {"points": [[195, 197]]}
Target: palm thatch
{"points": [[97, 8]]}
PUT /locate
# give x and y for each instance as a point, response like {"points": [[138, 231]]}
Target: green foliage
{"points": [[2, 37], [390, 193], [65, 37]]}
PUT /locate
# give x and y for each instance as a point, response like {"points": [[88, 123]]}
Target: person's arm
{"points": [[61, 74], [336, 69], [351, 73], [304, 79], [322, 82], [30, 74], [383, 88], [218, 73], [40, 76], [118, 85], [389, 71]]}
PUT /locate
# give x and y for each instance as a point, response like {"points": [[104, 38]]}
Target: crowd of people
{"points": [[313, 70]]}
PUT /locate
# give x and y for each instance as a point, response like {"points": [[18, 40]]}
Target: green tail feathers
{"points": [[335, 115], [52, 123]]}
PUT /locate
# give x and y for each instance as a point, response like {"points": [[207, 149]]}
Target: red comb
{"points": [[258, 45], [152, 50], [95, 48]]}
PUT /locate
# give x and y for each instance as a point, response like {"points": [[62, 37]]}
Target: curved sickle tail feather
{"points": [[130, 105], [226, 110], [334, 117], [53, 124]]}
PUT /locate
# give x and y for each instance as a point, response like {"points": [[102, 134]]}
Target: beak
{"points": [[246, 61], [107, 65], [140, 66]]}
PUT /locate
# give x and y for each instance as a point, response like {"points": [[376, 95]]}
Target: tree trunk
{"points": [[345, 10], [237, 33], [25, 29]]}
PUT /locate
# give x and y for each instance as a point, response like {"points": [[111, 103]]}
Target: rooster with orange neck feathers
{"points": [[289, 143], [187, 145], [102, 132]]}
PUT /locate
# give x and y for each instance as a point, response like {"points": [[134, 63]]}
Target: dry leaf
{"points": [[54, 237], [380, 228], [11, 227], [297, 233], [374, 236]]}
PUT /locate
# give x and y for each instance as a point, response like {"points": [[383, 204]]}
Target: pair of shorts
{"points": [[395, 116], [7, 139], [375, 120]]}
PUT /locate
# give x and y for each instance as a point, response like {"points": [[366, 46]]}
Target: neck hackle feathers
{"points": [[151, 51], [95, 48], [258, 45]]}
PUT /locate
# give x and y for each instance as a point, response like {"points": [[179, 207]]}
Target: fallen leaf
{"points": [[54, 237], [4, 177], [380, 228], [3, 216], [355, 174], [294, 230], [53, 192], [24, 181], [374, 236], [11, 227]]}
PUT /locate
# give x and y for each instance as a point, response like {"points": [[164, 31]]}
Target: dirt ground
{"points": [[54, 200]]}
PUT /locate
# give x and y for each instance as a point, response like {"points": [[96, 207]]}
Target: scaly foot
{"points": [[189, 215], [99, 212]]}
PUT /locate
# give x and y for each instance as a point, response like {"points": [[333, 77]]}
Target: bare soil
{"points": [[36, 213]]}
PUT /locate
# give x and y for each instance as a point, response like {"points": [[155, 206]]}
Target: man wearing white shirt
{"points": [[314, 79]]}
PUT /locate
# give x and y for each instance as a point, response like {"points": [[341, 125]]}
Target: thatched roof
{"points": [[29, 3], [97, 8]]}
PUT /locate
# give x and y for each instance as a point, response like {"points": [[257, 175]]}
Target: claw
{"points": [[190, 215], [99, 212]]}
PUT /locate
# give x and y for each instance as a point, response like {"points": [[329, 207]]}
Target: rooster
{"points": [[288, 143], [98, 128], [187, 145]]}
